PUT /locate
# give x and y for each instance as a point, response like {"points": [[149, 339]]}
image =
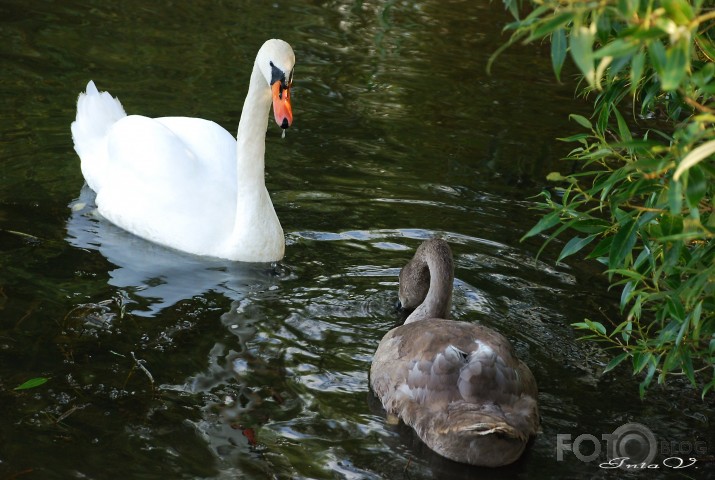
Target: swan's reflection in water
{"points": [[157, 277]]}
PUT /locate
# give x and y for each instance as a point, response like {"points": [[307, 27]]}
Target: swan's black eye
{"points": [[277, 75]]}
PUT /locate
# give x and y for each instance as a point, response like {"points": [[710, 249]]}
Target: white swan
{"points": [[186, 183], [458, 384]]}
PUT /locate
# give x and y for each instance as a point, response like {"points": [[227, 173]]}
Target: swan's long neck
{"points": [[438, 301], [251, 137], [257, 234]]}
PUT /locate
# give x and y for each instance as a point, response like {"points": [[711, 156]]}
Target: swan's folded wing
{"points": [[158, 188]]}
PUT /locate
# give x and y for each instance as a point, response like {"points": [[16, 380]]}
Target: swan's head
{"points": [[414, 285], [276, 60]]}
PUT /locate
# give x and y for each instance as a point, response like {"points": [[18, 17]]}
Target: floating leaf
{"points": [[32, 383]]}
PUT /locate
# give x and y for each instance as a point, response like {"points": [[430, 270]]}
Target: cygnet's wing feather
{"points": [[435, 363]]}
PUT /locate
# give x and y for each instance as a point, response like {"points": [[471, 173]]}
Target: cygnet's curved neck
{"points": [[437, 256]]}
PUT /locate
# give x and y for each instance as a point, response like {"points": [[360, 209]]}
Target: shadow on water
{"points": [[158, 277]]}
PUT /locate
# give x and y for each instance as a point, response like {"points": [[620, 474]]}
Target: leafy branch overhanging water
{"points": [[639, 198]]}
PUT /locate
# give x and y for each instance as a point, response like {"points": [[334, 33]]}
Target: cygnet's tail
{"points": [[96, 112]]}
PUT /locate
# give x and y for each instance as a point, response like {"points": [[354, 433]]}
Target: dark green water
{"points": [[399, 135]]}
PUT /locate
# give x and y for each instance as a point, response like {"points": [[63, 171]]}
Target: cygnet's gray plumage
{"points": [[458, 384]]}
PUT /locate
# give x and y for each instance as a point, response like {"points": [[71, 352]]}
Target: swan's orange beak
{"points": [[282, 109]]}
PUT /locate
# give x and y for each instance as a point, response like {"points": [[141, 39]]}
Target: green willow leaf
{"points": [[626, 273], [627, 294], [513, 7], [558, 51], [702, 77], [679, 10], [579, 137], [656, 53], [676, 309], [637, 67], [575, 245], [675, 195], [672, 360], [615, 361], [707, 388], [623, 129], [617, 48], [683, 330], [596, 326], [680, 237], [706, 46], [649, 376], [581, 45], [628, 7], [695, 156], [697, 187], [623, 243], [687, 365], [640, 360], [546, 222], [581, 120], [556, 177], [696, 314], [627, 330], [536, 14], [601, 249], [675, 68], [591, 225], [552, 25]]}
